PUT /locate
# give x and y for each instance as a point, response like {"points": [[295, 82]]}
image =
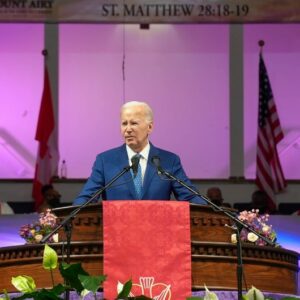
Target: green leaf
{"points": [[43, 294], [70, 273], [58, 289], [25, 296], [194, 298], [126, 290], [91, 283], [47, 295], [49, 258], [24, 284]]}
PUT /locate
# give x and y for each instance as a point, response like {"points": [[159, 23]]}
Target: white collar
{"points": [[144, 153]]}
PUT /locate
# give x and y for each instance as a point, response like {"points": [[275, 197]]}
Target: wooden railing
{"points": [[213, 255]]}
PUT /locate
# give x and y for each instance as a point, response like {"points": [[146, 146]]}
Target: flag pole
{"points": [[46, 136], [269, 175]]}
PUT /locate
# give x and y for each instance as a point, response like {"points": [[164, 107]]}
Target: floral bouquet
{"points": [[33, 233], [257, 222]]}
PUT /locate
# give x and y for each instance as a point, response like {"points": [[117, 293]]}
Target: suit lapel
{"points": [[123, 162], [150, 170]]}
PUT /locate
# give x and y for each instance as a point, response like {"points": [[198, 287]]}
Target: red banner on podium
{"points": [[149, 243]]}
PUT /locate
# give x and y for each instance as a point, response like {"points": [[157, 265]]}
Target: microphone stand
{"points": [[67, 222], [239, 225]]}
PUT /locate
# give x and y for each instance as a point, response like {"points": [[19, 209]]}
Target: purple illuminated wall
{"points": [[174, 68], [181, 70], [21, 80]]}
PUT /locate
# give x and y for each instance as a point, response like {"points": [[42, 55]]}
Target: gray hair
{"points": [[147, 109]]}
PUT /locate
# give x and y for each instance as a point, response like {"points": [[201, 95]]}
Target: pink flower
{"points": [[248, 216], [33, 233], [48, 219], [259, 224]]}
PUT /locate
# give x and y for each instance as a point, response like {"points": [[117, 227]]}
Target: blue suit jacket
{"points": [[110, 163]]}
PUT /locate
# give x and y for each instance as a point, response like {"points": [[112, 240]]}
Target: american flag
{"points": [[269, 175]]}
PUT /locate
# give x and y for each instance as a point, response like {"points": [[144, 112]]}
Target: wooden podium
{"points": [[213, 255]]}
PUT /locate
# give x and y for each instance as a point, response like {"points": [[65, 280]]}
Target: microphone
{"points": [[156, 161], [135, 160]]}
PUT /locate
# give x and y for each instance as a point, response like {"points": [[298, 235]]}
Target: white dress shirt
{"points": [[144, 157]]}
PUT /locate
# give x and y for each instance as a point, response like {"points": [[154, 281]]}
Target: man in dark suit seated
{"points": [[51, 198], [215, 195], [136, 126], [259, 200]]}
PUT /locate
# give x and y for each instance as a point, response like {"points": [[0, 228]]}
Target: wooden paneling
{"points": [[213, 256]]}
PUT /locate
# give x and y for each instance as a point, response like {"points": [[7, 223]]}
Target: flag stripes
{"points": [[269, 174]]}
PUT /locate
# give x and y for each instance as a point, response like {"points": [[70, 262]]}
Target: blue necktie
{"points": [[138, 182]]}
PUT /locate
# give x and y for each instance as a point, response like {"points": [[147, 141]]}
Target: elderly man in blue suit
{"points": [[136, 126]]}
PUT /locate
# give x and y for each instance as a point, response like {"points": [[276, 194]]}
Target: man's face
{"points": [[215, 196], [135, 128]]}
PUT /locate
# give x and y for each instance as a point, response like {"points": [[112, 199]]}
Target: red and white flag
{"points": [[269, 175], [46, 134]]}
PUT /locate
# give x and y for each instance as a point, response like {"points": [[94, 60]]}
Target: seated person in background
{"points": [[136, 125], [51, 198], [259, 200], [5, 209], [215, 195]]}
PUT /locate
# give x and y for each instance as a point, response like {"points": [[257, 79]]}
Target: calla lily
{"points": [[50, 258], [255, 294], [6, 295], [24, 284], [209, 295], [119, 287], [84, 293]]}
